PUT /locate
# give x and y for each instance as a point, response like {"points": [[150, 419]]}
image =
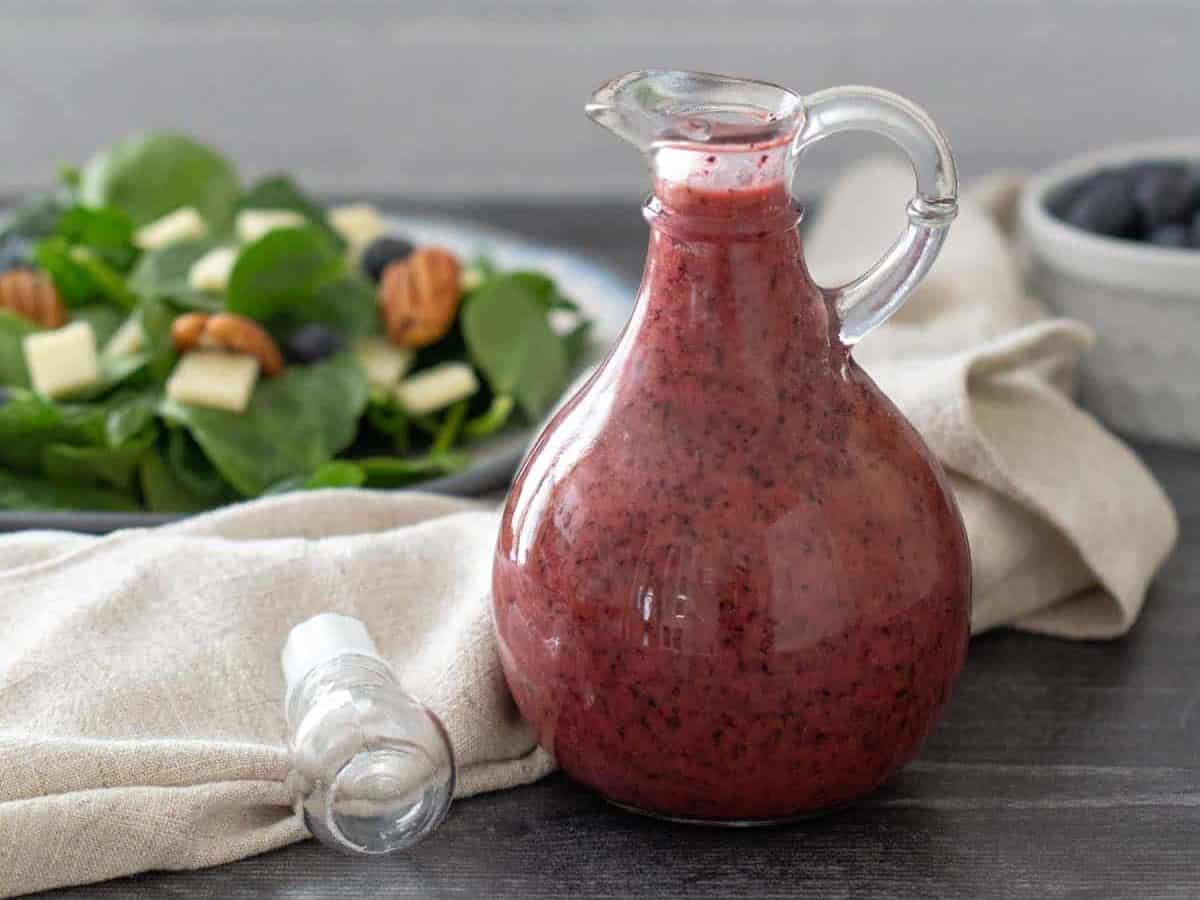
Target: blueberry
{"points": [[1162, 194], [1104, 204], [383, 251], [1173, 235], [312, 343]]}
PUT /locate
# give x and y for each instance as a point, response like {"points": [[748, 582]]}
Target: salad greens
{"points": [[282, 268], [127, 442], [280, 192], [508, 334], [163, 273], [13, 330], [295, 423], [146, 176]]}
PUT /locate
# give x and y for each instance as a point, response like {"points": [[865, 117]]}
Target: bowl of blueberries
{"points": [[1113, 238]]}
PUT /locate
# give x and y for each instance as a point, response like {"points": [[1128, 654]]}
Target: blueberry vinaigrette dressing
{"points": [[730, 583]]}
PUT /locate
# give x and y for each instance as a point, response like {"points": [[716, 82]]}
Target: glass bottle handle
{"points": [[871, 298]]}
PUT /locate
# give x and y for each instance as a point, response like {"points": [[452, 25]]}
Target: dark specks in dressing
{"points": [[758, 603]]}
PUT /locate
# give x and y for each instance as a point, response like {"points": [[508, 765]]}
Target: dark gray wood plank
{"points": [[1062, 770]]}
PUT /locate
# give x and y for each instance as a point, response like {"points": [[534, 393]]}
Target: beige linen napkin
{"points": [[140, 719], [1066, 526]]}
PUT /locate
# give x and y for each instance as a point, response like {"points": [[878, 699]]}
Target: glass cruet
{"points": [[731, 584]]}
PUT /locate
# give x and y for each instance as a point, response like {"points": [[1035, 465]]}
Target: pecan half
{"points": [[419, 296], [32, 296], [227, 331], [188, 329]]}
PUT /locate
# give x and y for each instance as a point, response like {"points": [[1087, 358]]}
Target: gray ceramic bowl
{"points": [[1143, 377]]}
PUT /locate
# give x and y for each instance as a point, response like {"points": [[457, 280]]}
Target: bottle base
{"points": [[729, 823]]}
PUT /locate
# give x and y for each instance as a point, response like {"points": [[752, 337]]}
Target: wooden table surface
{"points": [[1062, 770]]}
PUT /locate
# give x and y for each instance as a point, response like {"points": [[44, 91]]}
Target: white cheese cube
{"points": [[383, 361], [62, 361], [180, 225], [358, 224], [214, 379], [254, 223], [211, 271], [128, 339], [436, 388]]}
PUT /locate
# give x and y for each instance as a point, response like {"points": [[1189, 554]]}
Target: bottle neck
{"points": [[721, 192], [349, 670], [725, 294]]}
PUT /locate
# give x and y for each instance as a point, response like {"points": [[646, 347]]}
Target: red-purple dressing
{"points": [[730, 581]]}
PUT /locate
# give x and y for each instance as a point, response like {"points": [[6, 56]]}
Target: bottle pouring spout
{"points": [[718, 147], [652, 108]]}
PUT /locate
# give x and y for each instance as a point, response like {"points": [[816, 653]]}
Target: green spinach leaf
{"points": [[33, 492], [105, 231], [449, 428], [13, 329], [346, 304], [398, 471], [157, 316], [491, 420], [543, 287], [128, 414], [114, 467], [74, 283], [109, 283], [295, 423], [510, 340], [337, 474], [29, 424], [149, 175], [105, 320], [576, 341], [161, 490], [82, 276], [282, 268], [176, 476], [164, 273], [195, 471], [386, 416], [118, 370]]}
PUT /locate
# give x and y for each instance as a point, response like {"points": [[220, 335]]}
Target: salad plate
{"points": [[601, 295]]}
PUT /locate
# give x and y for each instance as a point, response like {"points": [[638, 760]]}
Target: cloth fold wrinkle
{"points": [[141, 720]]}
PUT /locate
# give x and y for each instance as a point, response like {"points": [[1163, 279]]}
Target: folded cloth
{"points": [[140, 693], [1066, 526], [141, 722]]}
